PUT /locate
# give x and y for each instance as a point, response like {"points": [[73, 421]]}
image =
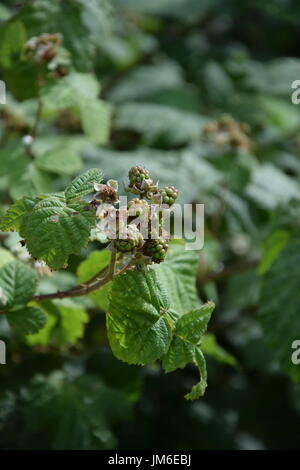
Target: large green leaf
{"points": [[155, 122], [80, 91], [280, 304], [12, 40], [18, 283], [185, 346], [59, 154], [138, 323], [27, 320], [271, 187], [95, 118], [54, 229], [146, 80], [12, 220], [178, 275]]}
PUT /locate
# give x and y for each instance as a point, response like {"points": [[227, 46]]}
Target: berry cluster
{"points": [[46, 50], [156, 249], [139, 229], [226, 131], [169, 194]]}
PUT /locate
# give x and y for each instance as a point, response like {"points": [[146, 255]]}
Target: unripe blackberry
{"points": [[156, 249], [169, 194], [132, 242], [137, 174], [140, 182], [138, 208]]}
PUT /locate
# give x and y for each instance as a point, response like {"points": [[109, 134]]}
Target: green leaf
{"points": [[273, 245], [71, 326], [280, 305], [282, 113], [191, 326], [198, 390], [12, 220], [42, 337], [185, 346], [12, 40], [210, 347], [54, 229], [18, 283], [65, 323], [70, 411], [59, 155], [70, 92], [138, 324], [83, 184], [27, 320], [95, 118], [156, 121], [6, 257], [26, 179], [80, 91], [95, 262], [178, 276], [146, 80], [271, 187]]}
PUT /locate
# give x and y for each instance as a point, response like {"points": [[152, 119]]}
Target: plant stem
{"points": [[94, 283]]}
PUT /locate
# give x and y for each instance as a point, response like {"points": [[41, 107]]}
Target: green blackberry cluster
{"points": [[139, 208], [156, 249], [152, 245], [137, 174], [169, 194], [140, 182], [133, 241]]}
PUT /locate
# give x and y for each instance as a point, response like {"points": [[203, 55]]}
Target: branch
{"points": [[93, 284]]}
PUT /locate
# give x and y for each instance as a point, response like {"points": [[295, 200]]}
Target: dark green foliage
{"points": [[190, 93]]}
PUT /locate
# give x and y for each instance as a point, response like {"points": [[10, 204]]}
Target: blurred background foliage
{"points": [[200, 93]]}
